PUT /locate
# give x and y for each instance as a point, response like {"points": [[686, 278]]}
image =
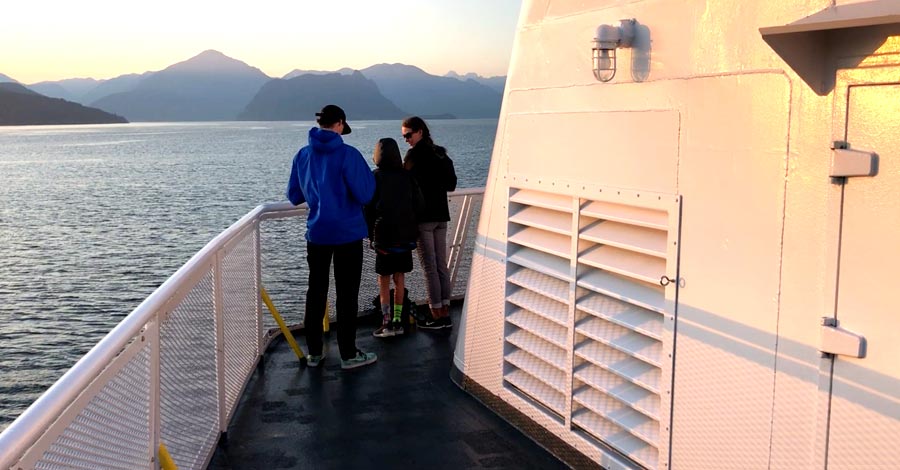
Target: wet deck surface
{"points": [[401, 412]]}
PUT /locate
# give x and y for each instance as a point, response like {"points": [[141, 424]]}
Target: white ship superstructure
{"points": [[687, 242]]}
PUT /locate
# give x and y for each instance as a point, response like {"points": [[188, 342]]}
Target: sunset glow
{"points": [[50, 40]]}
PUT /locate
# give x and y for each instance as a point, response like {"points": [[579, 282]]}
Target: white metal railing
{"points": [[172, 372]]}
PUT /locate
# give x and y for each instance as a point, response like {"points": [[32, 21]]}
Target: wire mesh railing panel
{"points": [[113, 430], [284, 272], [465, 259], [239, 297], [189, 407]]}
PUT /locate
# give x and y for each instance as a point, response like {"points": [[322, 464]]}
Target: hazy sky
{"points": [[56, 39]]}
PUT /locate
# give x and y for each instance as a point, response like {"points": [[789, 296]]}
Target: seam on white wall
{"points": [[787, 168]]}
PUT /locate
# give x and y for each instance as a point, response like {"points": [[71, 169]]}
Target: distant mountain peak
{"points": [[398, 65], [208, 86], [496, 83], [453, 74], [211, 60], [298, 72], [7, 78], [211, 53], [396, 70]]}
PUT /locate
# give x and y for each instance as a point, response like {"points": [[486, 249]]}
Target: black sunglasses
{"points": [[408, 135]]}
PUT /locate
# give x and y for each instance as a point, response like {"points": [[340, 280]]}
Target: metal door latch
{"points": [[846, 162], [834, 340]]}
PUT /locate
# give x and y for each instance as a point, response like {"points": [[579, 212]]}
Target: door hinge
{"points": [[846, 162], [834, 340]]}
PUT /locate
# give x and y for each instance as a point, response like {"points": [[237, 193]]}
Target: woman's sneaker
{"points": [[431, 324], [361, 359]]}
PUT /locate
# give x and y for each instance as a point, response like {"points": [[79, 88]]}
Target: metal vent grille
{"points": [[588, 327], [619, 352], [537, 302]]}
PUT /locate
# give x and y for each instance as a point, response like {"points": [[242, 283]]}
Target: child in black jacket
{"points": [[393, 229]]}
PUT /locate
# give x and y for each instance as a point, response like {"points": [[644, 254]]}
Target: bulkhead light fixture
{"points": [[607, 39]]}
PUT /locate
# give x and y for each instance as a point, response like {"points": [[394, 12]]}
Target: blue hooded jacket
{"points": [[336, 183]]}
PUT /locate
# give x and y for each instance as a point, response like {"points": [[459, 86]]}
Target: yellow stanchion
{"points": [[284, 329], [165, 460], [326, 325]]}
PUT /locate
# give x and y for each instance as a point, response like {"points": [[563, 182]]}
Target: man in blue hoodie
{"points": [[333, 179]]}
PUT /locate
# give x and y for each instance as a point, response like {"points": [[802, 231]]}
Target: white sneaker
{"points": [[314, 361], [385, 331]]}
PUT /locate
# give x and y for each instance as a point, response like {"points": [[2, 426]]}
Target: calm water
{"points": [[94, 218]]}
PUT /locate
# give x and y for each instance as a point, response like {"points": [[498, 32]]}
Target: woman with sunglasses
{"points": [[433, 170]]}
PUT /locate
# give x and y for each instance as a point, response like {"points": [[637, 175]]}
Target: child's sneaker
{"points": [[361, 359], [397, 326], [386, 330], [313, 360]]}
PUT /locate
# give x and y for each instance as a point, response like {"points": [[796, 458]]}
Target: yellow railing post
{"points": [[284, 329], [165, 460]]}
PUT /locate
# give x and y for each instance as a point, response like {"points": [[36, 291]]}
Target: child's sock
{"points": [[385, 314], [398, 310]]}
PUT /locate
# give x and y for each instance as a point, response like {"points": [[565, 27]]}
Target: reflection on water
{"points": [[94, 218]]}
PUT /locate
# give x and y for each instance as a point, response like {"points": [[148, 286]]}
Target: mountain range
{"points": [[21, 106], [214, 87]]}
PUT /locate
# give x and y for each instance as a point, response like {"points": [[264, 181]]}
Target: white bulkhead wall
{"points": [[722, 121]]}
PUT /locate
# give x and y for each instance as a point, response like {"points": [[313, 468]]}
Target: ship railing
{"points": [[167, 379]]}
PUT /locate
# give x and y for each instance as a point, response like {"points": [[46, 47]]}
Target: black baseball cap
{"points": [[331, 114]]}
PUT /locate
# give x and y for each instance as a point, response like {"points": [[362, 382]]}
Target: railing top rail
{"points": [[28, 427], [467, 192]]}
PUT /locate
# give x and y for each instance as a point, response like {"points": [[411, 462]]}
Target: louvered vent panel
{"points": [[620, 348], [603, 365], [612, 434], [526, 198], [539, 276]]}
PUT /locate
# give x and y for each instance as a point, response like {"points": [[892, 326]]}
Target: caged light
{"points": [[607, 39]]}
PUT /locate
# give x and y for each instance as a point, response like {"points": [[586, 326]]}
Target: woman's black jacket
{"points": [[435, 174]]}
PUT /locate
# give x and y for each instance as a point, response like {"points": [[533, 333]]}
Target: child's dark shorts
{"points": [[387, 263]]}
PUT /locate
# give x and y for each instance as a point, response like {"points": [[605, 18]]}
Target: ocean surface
{"points": [[94, 218]]}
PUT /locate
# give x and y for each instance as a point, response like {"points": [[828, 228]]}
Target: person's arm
{"points": [[450, 181], [449, 172], [370, 213], [358, 177], [294, 192]]}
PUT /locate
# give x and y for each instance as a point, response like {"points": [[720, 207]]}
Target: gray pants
{"points": [[432, 249]]}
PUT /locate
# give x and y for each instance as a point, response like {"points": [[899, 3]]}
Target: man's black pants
{"points": [[347, 275]]}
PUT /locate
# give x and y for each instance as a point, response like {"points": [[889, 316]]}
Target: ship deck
{"points": [[404, 411]]}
